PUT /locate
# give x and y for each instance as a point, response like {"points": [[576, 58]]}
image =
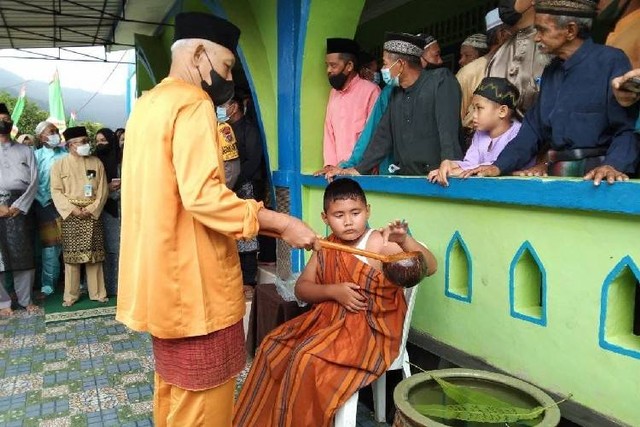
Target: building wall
{"points": [[416, 15]]}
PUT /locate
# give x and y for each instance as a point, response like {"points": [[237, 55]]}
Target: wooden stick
{"points": [[344, 248], [340, 247]]}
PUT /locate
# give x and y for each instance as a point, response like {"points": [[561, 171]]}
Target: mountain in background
{"points": [[106, 109]]}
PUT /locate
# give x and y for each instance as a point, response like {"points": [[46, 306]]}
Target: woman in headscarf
{"points": [[108, 151]]}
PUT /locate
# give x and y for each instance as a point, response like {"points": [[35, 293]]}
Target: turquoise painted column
{"points": [[292, 21]]}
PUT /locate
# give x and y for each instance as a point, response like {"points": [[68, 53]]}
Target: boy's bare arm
{"points": [[395, 238], [308, 290]]}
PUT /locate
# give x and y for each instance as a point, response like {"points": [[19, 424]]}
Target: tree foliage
{"points": [[33, 114], [92, 128]]}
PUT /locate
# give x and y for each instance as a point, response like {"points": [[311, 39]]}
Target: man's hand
{"points": [[395, 231], [447, 168], [339, 171], [85, 214], [539, 169], [300, 235], [348, 295], [14, 212], [488, 170], [606, 172], [77, 212], [325, 170], [625, 97], [4, 211], [114, 186]]}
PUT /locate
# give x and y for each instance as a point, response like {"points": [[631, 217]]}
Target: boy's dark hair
{"points": [[343, 189]]}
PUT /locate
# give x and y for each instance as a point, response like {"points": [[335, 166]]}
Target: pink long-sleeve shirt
{"points": [[347, 113]]}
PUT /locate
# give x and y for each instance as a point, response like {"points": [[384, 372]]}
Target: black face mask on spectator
{"points": [[338, 81], [103, 148], [607, 20], [507, 12], [431, 66], [5, 127]]}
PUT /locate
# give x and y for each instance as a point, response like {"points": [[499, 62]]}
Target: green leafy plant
{"points": [[464, 395], [477, 406], [480, 413]]}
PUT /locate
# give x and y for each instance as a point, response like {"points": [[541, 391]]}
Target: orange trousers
{"points": [[177, 407]]}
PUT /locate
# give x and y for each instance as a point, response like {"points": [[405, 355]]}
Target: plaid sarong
{"points": [[201, 363]]}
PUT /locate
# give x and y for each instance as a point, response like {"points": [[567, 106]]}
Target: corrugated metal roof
{"points": [[68, 23]]}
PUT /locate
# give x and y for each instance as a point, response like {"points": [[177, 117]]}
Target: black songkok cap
{"points": [[198, 25], [574, 8], [4, 109], [500, 90], [428, 39], [74, 132], [343, 46], [404, 44]]}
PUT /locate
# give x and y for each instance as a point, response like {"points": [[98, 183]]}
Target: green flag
{"points": [[17, 111], [72, 119], [56, 106]]}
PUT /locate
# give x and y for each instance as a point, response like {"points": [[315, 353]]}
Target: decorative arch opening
{"points": [[620, 310], [528, 286], [458, 270]]}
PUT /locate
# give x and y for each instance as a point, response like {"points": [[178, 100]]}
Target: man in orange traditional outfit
{"points": [[311, 365], [180, 276]]}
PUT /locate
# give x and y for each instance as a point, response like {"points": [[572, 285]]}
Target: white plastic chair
{"points": [[346, 415]]}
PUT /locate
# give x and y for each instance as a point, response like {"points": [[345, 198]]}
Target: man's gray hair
{"points": [[584, 24], [179, 44], [42, 126]]}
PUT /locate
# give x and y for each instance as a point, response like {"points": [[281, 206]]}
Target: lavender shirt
{"points": [[484, 150]]}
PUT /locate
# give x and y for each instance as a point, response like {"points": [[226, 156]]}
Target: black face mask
{"points": [[607, 20], [431, 66], [338, 81], [220, 90], [5, 127], [103, 148], [507, 13]]}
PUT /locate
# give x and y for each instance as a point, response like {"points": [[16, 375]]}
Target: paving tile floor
{"points": [[91, 372]]}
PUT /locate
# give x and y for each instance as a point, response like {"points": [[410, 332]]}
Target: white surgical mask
{"points": [[83, 150], [221, 113], [53, 140]]}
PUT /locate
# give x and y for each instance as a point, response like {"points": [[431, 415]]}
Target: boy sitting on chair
{"points": [[308, 367]]}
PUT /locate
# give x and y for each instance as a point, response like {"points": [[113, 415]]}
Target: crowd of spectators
{"points": [[571, 106]]}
